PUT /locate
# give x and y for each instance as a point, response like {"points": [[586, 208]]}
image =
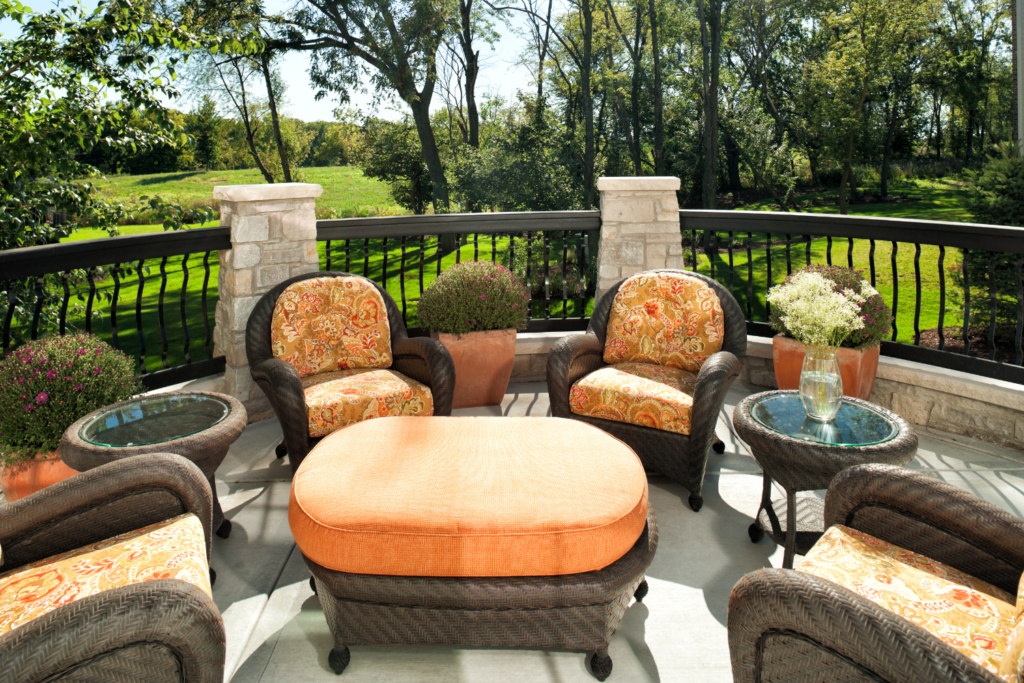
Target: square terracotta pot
{"points": [[483, 365], [857, 367]]}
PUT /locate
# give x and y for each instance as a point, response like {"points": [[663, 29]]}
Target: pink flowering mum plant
{"points": [[474, 296], [46, 385]]}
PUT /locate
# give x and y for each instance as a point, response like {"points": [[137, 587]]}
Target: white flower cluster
{"points": [[814, 312]]}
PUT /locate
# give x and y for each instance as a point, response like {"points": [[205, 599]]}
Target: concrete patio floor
{"points": [[277, 632]]}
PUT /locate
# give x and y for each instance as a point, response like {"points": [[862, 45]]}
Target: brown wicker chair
{"points": [[683, 458], [420, 358], [788, 626], [164, 631]]}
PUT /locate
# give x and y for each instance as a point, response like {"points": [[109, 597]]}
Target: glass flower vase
{"points": [[821, 385]]}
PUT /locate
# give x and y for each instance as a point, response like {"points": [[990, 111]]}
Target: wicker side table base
{"points": [[573, 611]]}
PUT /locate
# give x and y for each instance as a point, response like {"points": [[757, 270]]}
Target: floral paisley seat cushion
{"points": [[648, 395], [342, 398], [974, 617], [172, 549], [331, 323], [664, 318]]}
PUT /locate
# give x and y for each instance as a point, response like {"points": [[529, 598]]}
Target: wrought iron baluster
{"points": [[546, 239], [712, 252], [115, 275], [401, 283], [789, 259], [529, 281], [437, 253], [348, 256], [160, 311], [750, 278], [917, 286], [942, 297], [37, 311], [732, 269], [512, 251], [895, 287], [91, 279], [693, 249], [366, 258], [494, 248], [458, 249], [807, 250], [967, 303], [992, 305], [384, 267], [138, 316], [849, 252], [828, 251], [768, 283], [62, 319], [208, 346], [1019, 357], [565, 274], [585, 249], [184, 322], [12, 304], [476, 246], [871, 261], [327, 254], [423, 258]]}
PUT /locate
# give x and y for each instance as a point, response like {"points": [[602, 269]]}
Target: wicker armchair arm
{"points": [[112, 499], [166, 616], [570, 359], [428, 361], [921, 513], [713, 381], [281, 383], [783, 621]]}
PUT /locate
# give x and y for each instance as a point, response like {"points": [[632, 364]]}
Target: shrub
{"points": [[46, 385], [874, 312], [474, 296]]}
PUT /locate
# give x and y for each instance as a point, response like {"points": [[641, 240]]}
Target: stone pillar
{"points": [[273, 237], [639, 227]]}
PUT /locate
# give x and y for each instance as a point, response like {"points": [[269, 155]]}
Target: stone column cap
{"points": [[636, 184], [267, 192]]}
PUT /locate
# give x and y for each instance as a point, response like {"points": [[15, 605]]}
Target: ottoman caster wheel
{"points": [[312, 587], [718, 447], [281, 450], [755, 532], [696, 502], [213, 577], [601, 665], [224, 530], [641, 591], [339, 659]]}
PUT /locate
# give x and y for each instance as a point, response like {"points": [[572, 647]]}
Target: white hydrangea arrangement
{"points": [[815, 312]]}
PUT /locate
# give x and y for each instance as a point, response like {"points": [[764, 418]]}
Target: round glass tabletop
{"points": [[153, 420], [854, 424]]}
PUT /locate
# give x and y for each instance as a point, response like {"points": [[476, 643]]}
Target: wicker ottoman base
{"points": [[572, 611]]}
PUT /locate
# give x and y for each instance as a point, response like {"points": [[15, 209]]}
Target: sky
{"points": [[500, 75]]}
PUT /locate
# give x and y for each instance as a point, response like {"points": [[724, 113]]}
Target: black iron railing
{"points": [[554, 251], [744, 250], [152, 296]]}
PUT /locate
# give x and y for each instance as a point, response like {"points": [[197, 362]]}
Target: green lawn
{"points": [[347, 192]]}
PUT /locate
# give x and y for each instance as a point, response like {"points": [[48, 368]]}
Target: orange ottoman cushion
{"points": [[468, 496]]}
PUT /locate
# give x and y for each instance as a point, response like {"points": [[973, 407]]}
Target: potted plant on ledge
{"points": [[828, 310], [45, 386], [474, 309]]}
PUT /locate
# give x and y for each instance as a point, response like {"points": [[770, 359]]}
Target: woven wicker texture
{"points": [[683, 458], [206, 448], [576, 611], [127, 631], [422, 359], [468, 496], [794, 627]]}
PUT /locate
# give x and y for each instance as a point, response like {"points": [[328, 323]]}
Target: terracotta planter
{"points": [[33, 475], [857, 367], [483, 365]]}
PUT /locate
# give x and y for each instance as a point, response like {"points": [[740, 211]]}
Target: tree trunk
{"points": [[847, 174], [472, 70], [711, 40], [588, 104], [659, 116], [887, 152], [431, 157], [970, 135], [274, 119], [732, 155], [250, 139]]}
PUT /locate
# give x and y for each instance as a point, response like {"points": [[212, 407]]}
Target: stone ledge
{"points": [[531, 343], [259, 193], [638, 184]]}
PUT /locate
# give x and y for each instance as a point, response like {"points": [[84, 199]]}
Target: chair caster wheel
{"points": [[312, 585], [755, 532], [339, 659], [224, 530], [696, 502], [718, 447], [601, 665], [281, 450], [641, 591], [213, 577]]}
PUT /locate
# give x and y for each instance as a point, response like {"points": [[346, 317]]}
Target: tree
{"points": [[393, 155], [204, 126]]}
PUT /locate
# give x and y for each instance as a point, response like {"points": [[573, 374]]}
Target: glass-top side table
{"points": [[804, 455], [154, 419], [197, 425]]}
